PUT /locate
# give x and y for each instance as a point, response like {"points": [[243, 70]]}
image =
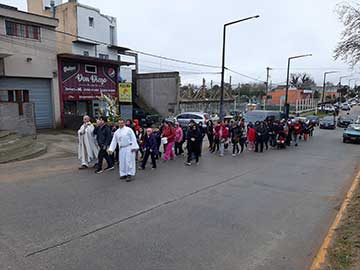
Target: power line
{"points": [[243, 75]]}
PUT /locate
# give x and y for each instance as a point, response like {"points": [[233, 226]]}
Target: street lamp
{"points": [[223, 63], [324, 85], [286, 107]]}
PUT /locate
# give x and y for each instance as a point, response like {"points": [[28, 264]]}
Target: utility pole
{"points": [[267, 79]]}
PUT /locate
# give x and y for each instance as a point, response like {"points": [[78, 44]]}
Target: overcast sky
{"points": [[192, 30]]}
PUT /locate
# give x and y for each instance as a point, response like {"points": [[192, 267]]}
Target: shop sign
{"points": [[87, 81], [125, 92]]}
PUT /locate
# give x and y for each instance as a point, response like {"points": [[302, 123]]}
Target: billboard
{"points": [[81, 81], [125, 92]]}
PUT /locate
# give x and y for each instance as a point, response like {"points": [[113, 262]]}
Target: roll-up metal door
{"points": [[40, 95]]}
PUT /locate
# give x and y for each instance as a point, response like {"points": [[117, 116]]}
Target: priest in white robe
{"points": [[125, 138], [87, 149]]}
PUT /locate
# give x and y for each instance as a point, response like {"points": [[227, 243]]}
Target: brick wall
{"points": [[11, 120]]}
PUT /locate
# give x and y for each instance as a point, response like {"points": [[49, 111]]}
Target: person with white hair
{"points": [[88, 149]]}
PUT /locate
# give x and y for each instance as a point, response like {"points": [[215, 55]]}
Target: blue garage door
{"points": [[40, 95]]}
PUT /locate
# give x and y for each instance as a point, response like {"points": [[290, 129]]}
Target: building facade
{"points": [[28, 62], [89, 58]]}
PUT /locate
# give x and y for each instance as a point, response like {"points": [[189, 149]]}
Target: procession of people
{"points": [[133, 145]]}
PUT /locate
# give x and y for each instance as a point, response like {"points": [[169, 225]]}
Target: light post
{"points": [[324, 85], [223, 63], [286, 105]]}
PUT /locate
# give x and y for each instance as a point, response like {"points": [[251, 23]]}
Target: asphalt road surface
{"points": [[255, 211]]}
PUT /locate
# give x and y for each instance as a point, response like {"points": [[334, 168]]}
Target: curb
{"points": [[320, 259]]}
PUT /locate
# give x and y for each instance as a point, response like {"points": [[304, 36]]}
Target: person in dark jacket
{"points": [[103, 137], [210, 133], [151, 149], [194, 138], [260, 136], [235, 133]]}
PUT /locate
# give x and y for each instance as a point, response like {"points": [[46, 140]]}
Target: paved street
{"points": [[256, 211]]}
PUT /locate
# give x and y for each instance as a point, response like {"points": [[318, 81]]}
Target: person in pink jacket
{"points": [[179, 139]]}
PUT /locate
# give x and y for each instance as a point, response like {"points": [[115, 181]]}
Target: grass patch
{"points": [[344, 252], [319, 114]]}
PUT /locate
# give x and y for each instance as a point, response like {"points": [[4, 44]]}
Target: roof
{"points": [[14, 13], [119, 48], [83, 58], [87, 42]]}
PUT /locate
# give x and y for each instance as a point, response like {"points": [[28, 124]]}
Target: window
{"points": [[103, 56], [90, 69], [86, 53], [112, 35], [91, 21], [22, 30]]}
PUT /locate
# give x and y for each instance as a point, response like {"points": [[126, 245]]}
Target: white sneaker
{"points": [[234, 155]]}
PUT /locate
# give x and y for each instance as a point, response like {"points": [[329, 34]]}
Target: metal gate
{"points": [[39, 94]]}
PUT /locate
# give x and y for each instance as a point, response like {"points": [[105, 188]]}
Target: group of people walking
{"points": [[131, 144]]}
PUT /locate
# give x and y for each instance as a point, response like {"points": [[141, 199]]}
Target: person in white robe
{"points": [[125, 138], [87, 148]]}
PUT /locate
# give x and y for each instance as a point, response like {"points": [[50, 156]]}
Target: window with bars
{"points": [[22, 30]]}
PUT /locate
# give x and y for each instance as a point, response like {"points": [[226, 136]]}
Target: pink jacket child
{"points": [[179, 135]]}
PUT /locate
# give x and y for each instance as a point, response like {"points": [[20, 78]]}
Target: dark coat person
{"points": [[194, 138]]}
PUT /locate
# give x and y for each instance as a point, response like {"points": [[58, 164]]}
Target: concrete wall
{"points": [[31, 58], [159, 91], [11, 120], [100, 31]]}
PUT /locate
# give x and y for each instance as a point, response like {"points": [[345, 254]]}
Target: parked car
{"points": [[328, 122], [345, 107], [314, 119], [254, 116], [352, 133], [185, 118], [329, 108], [151, 120], [344, 121], [353, 103]]}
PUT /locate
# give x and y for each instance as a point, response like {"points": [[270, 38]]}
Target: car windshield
{"points": [[346, 118], [328, 119], [254, 117], [354, 127]]}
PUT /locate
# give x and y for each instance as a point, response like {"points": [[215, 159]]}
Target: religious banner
{"points": [[125, 92]]}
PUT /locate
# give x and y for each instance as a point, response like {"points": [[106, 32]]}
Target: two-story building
{"points": [[88, 56], [28, 63]]}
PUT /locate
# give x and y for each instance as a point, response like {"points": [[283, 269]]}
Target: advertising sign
{"points": [[87, 81], [125, 92]]}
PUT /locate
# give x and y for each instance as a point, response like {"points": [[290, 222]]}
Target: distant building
{"points": [[28, 64], [277, 95]]}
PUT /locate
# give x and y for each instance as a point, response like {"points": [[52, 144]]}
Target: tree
{"points": [[316, 94], [302, 81], [348, 48]]}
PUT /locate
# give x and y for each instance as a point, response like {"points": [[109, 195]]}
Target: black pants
{"points": [[179, 148], [236, 149], [103, 154], [216, 145], [146, 157], [242, 144], [211, 141], [193, 150], [257, 143]]}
